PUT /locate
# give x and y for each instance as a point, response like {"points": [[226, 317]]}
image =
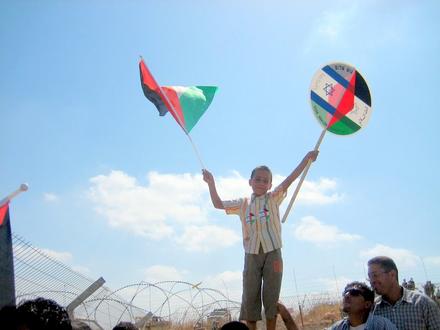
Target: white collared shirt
{"points": [[260, 220]]}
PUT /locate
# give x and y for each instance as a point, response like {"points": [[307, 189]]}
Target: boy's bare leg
{"points": [[271, 324], [252, 325]]}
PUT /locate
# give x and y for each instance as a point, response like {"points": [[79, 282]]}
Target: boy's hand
{"points": [[207, 176], [215, 198], [312, 155]]}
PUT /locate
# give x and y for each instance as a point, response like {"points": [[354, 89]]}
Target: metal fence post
{"points": [[84, 295]]}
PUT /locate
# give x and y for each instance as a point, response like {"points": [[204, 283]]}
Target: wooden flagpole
{"points": [[7, 199], [184, 129]]}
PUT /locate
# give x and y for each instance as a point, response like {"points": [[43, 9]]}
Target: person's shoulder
{"points": [[234, 206], [235, 202], [278, 192], [422, 301], [383, 322], [338, 325], [237, 198]]}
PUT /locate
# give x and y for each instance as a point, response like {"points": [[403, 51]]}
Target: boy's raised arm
{"points": [[215, 198], [311, 155]]}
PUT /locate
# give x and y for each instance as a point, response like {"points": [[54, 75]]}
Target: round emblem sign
{"points": [[340, 98]]}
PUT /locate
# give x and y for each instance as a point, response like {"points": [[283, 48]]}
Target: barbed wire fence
{"points": [[168, 304], [39, 275]]}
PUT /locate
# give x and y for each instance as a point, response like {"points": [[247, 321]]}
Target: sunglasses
{"points": [[353, 292]]}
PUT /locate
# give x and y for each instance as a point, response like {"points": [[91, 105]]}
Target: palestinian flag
{"points": [[7, 282], [186, 104], [340, 98], [4, 213]]}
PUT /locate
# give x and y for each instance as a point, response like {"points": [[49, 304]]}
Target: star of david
{"points": [[328, 89]]}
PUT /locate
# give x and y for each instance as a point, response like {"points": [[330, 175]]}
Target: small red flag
{"points": [[3, 211]]}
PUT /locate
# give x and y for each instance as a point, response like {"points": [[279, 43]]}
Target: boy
{"points": [[261, 227]]}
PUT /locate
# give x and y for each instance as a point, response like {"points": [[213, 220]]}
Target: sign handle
{"points": [[303, 176]]}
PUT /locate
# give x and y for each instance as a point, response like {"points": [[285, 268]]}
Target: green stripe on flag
{"points": [[194, 102], [344, 126]]}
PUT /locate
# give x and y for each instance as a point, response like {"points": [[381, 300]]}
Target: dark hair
{"points": [[386, 263], [125, 326], [42, 313], [234, 325], [8, 317], [263, 168], [365, 290]]}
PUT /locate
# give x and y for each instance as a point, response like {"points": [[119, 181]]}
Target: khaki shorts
{"points": [[261, 270]]}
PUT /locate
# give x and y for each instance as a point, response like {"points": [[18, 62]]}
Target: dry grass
{"points": [[320, 316], [317, 318]]}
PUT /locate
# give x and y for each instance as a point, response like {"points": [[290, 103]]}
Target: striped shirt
{"points": [[373, 323], [260, 220], [414, 311]]}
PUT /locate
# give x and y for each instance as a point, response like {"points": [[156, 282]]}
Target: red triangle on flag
{"points": [[346, 104], [3, 211]]}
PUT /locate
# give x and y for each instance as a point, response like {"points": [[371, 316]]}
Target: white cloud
{"points": [[158, 273], [66, 258], [63, 257], [233, 186], [312, 230], [50, 197], [342, 25], [333, 24], [402, 257], [82, 270], [228, 282], [319, 193], [333, 284], [178, 206], [433, 261], [60, 256], [146, 210], [206, 238]]}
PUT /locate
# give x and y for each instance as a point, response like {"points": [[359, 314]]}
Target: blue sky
{"points": [[116, 191]]}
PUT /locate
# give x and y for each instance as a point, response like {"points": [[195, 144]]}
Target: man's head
{"points": [[261, 180], [42, 313], [357, 299], [234, 325], [383, 275]]}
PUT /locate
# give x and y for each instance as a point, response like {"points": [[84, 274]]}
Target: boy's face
{"points": [[354, 302], [261, 182]]}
